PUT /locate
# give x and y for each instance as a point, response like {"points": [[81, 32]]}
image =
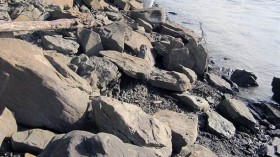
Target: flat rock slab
{"points": [[51, 85], [219, 125], [238, 113], [84, 144], [184, 127], [196, 151], [131, 124], [141, 69], [192, 102], [32, 141]]}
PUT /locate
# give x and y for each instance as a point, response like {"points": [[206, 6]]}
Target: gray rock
{"points": [[192, 102], [270, 151], [188, 72], [272, 112], [8, 124], [83, 144], [114, 16], [196, 151], [148, 27], [218, 82], [153, 15], [32, 141], [276, 89], [219, 125], [90, 42], [244, 78], [276, 141], [60, 44], [122, 4], [131, 124], [184, 127], [50, 85], [141, 69], [238, 113]]}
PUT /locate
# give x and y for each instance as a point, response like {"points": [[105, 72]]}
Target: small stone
{"points": [[148, 27]]}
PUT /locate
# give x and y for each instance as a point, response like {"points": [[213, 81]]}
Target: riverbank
{"points": [[120, 81]]}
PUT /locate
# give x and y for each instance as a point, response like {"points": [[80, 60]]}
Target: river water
{"points": [[246, 31]]}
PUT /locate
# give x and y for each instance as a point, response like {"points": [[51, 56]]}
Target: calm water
{"points": [[246, 31]]}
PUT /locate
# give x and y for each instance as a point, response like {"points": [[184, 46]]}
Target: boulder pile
{"points": [[121, 81]]}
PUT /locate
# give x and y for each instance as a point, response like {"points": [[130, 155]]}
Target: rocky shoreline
{"points": [[123, 81]]}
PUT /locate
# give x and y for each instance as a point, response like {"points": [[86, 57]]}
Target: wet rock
{"points": [[141, 69], [192, 102], [89, 41], [81, 143], [32, 141], [29, 155], [50, 85], [244, 78], [8, 124], [276, 89], [272, 112], [219, 125], [114, 16], [60, 44], [153, 15], [183, 127], [148, 27], [131, 124], [276, 141], [218, 82], [196, 151], [188, 72], [238, 113]]}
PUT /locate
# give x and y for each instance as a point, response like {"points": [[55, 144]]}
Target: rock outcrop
{"points": [[42, 88]]}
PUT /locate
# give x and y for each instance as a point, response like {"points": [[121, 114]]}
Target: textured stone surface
{"points": [[8, 124], [218, 82], [196, 151]]}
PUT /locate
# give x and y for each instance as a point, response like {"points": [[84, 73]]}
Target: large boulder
{"points": [[32, 141], [219, 125], [131, 124], [8, 124], [84, 144], [89, 41], [196, 151], [153, 15], [244, 78], [236, 111], [141, 69], [192, 102], [40, 89], [184, 128], [276, 89]]}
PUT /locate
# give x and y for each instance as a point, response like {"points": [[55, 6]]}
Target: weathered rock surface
{"points": [[95, 4], [60, 44], [131, 124], [90, 42], [196, 151], [219, 125], [276, 89], [272, 112], [244, 78], [154, 15], [218, 82], [238, 113], [141, 69], [188, 72], [8, 124], [275, 141], [32, 141], [184, 128], [192, 102], [148, 27], [122, 4], [83, 144], [61, 3], [50, 85]]}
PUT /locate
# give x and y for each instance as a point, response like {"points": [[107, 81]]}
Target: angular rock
{"points": [[270, 151], [277, 150], [192, 102], [184, 128], [196, 151], [148, 27], [50, 85], [83, 144], [218, 82], [153, 15], [60, 44], [89, 41], [188, 72], [276, 141], [131, 124], [32, 141], [62, 3], [135, 4], [238, 113], [272, 112], [8, 124], [29, 13], [219, 125], [167, 44], [141, 69], [94, 4], [29, 155], [244, 78], [276, 89]]}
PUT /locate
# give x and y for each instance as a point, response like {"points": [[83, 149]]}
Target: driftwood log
{"points": [[46, 25]]}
